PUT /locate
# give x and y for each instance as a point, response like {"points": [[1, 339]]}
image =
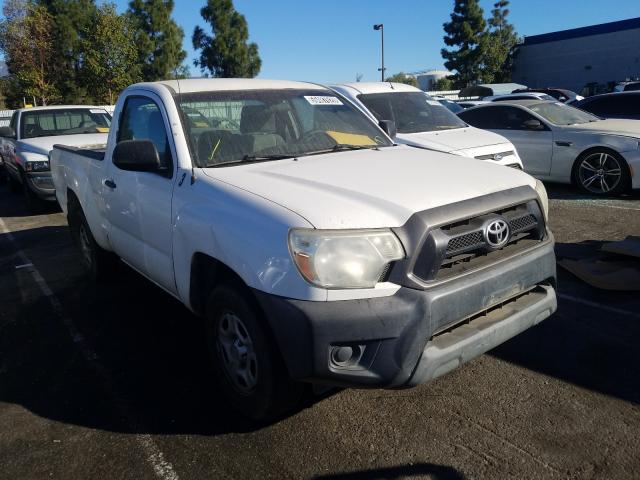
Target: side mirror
{"points": [[7, 132], [137, 156], [533, 124], [389, 127]]}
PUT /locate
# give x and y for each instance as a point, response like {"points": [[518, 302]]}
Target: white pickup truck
{"points": [[25, 144], [316, 250]]}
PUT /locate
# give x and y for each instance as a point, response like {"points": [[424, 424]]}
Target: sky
{"points": [[333, 40]]}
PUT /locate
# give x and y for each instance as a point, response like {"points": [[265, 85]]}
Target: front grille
{"points": [[464, 242], [455, 248]]}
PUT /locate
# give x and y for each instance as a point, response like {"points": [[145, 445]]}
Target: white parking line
{"points": [[589, 303], [162, 468]]}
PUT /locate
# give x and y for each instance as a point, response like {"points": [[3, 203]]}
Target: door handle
{"points": [[561, 143], [109, 183]]}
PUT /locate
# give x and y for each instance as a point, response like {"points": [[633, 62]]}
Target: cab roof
{"points": [[378, 87], [192, 85]]}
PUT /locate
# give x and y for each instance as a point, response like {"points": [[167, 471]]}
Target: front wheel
{"points": [[601, 172], [247, 365]]}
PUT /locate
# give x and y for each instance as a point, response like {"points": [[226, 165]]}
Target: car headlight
{"points": [[344, 258], [544, 199], [36, 165]]}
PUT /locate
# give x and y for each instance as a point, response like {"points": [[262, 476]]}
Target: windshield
{"points": [[411, 111], [230, 127], [453, 106], [561, 114], [64, 121]]}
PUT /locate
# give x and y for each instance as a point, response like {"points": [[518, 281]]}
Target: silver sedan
{"points": [[559, 143]]}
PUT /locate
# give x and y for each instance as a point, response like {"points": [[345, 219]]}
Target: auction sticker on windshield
{"points": [[435, 103], [322, 100], [96, 110]]}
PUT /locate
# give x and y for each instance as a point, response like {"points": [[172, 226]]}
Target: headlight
{"points": [[344, 258], [37, 166], [544, 199]]}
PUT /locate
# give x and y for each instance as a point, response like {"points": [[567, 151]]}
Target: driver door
{"points": [[535, 147], [139, 204]]}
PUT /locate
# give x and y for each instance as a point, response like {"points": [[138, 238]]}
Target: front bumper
{"points": [[394, 341], [41, 184]]}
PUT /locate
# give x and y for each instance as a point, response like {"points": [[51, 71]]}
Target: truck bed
{"points": [[94, 152]]}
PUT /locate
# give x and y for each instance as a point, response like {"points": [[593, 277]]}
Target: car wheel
{"points": [[14, 185], [601, 172], [97, 263], [245, 360]]}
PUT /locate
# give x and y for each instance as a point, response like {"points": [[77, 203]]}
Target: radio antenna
{"points": [[193, 171]]}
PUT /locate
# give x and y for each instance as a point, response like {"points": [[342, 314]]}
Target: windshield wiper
{"points": [[262, 158], [341, 147]]}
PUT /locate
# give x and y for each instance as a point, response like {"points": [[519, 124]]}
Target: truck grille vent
{"points": [[458, 247]]}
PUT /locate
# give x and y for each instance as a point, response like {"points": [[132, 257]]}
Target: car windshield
{"points": [[561, 114], [64, 121], [452, 106], [231, 127], [412, 112]]}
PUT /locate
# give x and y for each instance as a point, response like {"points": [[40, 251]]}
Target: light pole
{"points": [[380, 26]]}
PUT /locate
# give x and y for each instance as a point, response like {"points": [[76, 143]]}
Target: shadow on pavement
{"points": [[560, 191], [435, 472], [581, 343]]}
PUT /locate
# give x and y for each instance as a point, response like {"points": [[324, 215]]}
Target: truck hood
{"points": [[43, 145], [452, 140], [620, 127], [370, 188]]}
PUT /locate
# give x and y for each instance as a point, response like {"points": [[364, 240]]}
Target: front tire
{"points": [[601, 172], [98, 264], [245, 360]]}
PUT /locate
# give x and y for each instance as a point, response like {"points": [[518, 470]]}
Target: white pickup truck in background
{"points": [[316, 250], [25, 144], [423, 122]]}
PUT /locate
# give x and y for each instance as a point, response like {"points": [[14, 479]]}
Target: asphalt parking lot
{"points": [[113, 382]]}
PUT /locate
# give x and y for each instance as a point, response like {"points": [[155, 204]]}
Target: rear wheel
{"points": [[247, 365], [601, 172], [98, 264]]}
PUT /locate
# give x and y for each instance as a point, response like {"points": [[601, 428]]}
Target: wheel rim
{"points": [[85, 245], [600, 173], [237, 353]]}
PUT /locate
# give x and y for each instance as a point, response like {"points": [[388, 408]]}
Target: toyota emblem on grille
{"points": [[497, 157], [496, 233]]}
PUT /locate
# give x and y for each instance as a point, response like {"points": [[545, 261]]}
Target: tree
{"points": [[403, 78], [443, 84], [498, 42], [26, 39], [464, 32], [158, 39], [72, 19], [226, 53], [110, 55]]}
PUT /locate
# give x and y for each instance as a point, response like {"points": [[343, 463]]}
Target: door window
{"points": [[142, 120], [480, 117], [510, 118]]}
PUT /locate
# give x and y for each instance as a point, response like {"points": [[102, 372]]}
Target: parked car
{"points": [[561, 94], [613, 105], [560, 143], [470, 103], [316, 250], [422, 122], [25, 144], [519, 96]]}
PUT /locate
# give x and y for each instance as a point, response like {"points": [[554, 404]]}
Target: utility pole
{"points": [[380, 26]]}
